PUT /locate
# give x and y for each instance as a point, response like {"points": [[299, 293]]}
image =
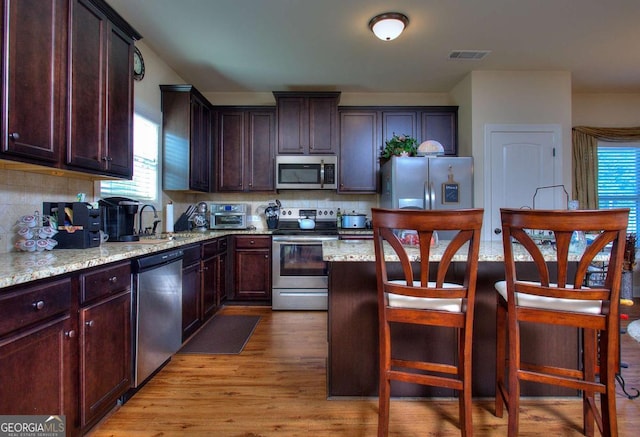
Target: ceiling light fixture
{"points": [[389, 25]]}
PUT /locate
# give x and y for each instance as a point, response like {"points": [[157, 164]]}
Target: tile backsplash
{"points": [[23, 192]]}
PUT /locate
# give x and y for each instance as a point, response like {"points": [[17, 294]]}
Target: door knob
{"points": [[497, 231]]}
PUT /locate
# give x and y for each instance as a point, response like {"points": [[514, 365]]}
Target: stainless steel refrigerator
{"points": [[433, 182]]}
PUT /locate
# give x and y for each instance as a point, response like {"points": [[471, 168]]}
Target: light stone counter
{"points": [[490, 251], [21, 267]]}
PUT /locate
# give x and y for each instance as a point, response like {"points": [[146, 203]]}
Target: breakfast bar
{"points": [[352, 368]]}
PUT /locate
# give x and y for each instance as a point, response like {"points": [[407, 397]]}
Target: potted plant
{"points": [[400, 145]]}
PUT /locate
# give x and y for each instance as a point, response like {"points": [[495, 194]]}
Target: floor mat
{"points": [[222, 335]]}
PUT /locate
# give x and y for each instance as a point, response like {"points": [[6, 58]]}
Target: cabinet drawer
{"points": [[105, 281], [215, 247], [191, 255], [253, 242], [28, 305]]}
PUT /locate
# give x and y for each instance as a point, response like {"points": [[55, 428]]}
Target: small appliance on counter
{"points": [[353, 221], [199, 217], [118, 218], [78, 224], [228, 215]]}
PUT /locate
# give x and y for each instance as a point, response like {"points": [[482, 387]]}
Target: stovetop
{"points": [[325, 218]]}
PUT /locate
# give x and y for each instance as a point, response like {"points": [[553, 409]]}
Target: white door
{"points": [[519, 161]]}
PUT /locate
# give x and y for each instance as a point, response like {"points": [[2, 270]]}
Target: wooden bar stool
{"points": [[561, 300], [422, 297]]}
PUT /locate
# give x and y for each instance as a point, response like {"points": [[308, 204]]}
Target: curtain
{"points": [[585, 158]]}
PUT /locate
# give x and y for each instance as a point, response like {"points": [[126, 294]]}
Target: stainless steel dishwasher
{"points": [[157, 312]]}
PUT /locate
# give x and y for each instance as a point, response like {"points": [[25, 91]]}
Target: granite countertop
{"points": [[490, 251], [21, 267]]}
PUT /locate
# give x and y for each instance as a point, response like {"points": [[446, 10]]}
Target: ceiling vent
{"points": [[468, 55]]}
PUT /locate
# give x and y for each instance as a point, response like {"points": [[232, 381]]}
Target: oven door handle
{"points": [[305, 240]]}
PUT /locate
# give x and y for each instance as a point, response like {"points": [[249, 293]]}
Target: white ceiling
{"points": [[267, 45]]}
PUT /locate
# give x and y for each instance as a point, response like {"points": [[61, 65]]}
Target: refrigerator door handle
{"points": [[432, 196], [427, 195]]}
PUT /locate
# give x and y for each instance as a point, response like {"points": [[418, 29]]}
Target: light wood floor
{"points": [[276, 386]]}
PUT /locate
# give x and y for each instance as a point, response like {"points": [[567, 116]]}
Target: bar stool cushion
{"points": [[425, 303], [549, 303]]}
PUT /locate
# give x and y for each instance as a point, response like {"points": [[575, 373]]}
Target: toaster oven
{"points": [[228, 215]]}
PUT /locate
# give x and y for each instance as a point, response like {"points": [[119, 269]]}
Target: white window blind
{"points": [[619, 179], [144, 185]]}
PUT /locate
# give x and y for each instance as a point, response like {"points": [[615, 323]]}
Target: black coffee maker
{"points": [[118, 218]]}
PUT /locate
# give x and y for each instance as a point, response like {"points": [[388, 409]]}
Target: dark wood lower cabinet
{"points": [[105, 348], [191, 284], [38, 352], [214, 265], [252, 268]]}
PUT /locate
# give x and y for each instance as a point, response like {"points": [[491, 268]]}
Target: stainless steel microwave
{"points": [[310, 172], [228, 215]]}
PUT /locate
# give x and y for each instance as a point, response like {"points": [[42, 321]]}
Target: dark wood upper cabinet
{"points": [[186, 139], [246, 148], [359, 151], [34, 36], [307, 122], [101, 93], [441, 124], [399, 122], [67, 86], [424, 123]]}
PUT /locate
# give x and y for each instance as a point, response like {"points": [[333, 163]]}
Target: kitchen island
{"points": [[352, 367]]}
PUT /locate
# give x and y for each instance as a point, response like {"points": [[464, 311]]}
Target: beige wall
{"points": [[511, 97], [606, 110]]}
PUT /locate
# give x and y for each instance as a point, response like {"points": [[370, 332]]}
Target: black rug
{"points": [[222, 335]]}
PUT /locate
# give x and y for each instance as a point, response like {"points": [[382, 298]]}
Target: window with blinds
{"points": [[144, 185], [619, 179]]}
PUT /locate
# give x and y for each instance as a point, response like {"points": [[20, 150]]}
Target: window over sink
{"points": [[146, 168]]}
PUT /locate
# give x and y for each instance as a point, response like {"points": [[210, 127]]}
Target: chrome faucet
{"points": [[143, 231]]}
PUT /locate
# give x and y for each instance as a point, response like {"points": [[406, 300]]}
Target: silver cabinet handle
{"points": [[70, 334], [38, 305], [90, 323], [14, 136], [113, 279]]}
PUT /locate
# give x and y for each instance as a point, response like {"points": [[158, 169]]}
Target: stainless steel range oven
{"points": [[300, 276]]}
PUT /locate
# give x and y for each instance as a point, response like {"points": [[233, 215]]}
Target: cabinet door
{"points": [[442, 127], [359, 152], [293, 125], [87, 148], [231, 140], [37, 372], [323, 125], [101, 94], [105, 351], [191, 313], [252, 274], [35, 83], [210, 270], [399, 123], [120, 104], [200, 165], [221, 290], [260, 151]]}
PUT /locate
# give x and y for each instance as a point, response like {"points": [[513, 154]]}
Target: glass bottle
{"points": [[578, 242]]}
